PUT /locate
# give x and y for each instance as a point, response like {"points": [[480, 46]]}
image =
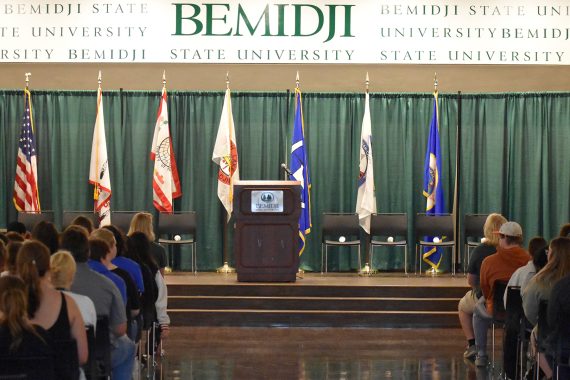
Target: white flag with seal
{"points": [[226, 156], [99, 175], [366, 199]]}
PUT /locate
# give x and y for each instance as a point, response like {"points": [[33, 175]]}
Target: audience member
{"points": [[133, 303], [63, 269], [142, 222], [46, 233], [12, 255], [106, 297], [18, 337], [14, 236], [3, 238], [565, 230], [537, 248], [497, 267], [467, 303], [540, 286], [155, 310], [139, 247], [17, 227], [3, 257], [47, 307], [124, 262], [100, 256], [559, 308], [84, 222]]}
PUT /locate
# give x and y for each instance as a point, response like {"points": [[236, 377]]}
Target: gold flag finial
{"points": [[435, 82], [28, 75]]}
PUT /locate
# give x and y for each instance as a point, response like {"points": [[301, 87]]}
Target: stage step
{"points": [[315, 306]]}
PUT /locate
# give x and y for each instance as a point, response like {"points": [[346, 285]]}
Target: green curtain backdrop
{"points": [[513, 147]]}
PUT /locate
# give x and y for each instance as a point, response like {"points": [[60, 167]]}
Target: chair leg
{"points": [[406, 259], [194, 259], [322, 257], [359, 261], [453, 260], [493, 346]]}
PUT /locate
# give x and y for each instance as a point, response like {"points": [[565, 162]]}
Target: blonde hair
{"points": [[142, 222], [492, 224], [63, 269], [105, 235], [558, 264]]}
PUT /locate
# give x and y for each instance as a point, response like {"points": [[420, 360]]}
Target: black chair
{"points": [[181, 223], [90, 368], [102, 352], [513, 349], [31, 367], [562, 355], [543, 331], [66, 360], [30, 219], [122, 219], [499, 312], [473, 225], [339, 225], [69, 217], [389, 225], [440, 225]]}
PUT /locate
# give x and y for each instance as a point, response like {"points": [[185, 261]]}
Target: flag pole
{"points": [[226, 268], [300, 272], [367, 269]]}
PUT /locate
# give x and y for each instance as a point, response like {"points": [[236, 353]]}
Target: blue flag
{"points": [[433, 189], [300, 171]]}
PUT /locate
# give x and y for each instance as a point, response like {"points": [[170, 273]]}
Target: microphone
{"points": [[284, 167]]}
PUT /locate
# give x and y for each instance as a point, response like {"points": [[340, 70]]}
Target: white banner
{"points": [[316, 31]]}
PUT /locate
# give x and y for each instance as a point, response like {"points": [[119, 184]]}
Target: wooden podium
{"points": [[266, 239]]}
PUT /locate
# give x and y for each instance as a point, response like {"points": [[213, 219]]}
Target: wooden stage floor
{"points": [[328, 279]]}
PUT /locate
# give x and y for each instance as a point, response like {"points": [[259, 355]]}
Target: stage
{"points": [[315, 300]]}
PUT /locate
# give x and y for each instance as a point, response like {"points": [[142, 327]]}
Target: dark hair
{"points": [[14, 307], [98, 249], [74, 239], [120, 239], [18, 227], [565, 230], [139, 250], [3, 255], [513, 240], [13, 248], [46, 232], [84, 222], [14, 236], [537, 247], [33, 264]]}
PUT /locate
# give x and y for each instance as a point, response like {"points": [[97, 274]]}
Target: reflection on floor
{"points": [[318, 353]]}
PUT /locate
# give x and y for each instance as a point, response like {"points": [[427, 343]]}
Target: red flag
{"points": [[165, 181]]}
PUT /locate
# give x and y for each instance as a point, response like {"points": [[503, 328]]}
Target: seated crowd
{"points": [[540, 279], [57, 287]]}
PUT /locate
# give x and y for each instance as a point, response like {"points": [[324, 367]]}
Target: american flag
{"points": [[26, 182]]}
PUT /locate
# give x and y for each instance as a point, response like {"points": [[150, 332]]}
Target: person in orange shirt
{"points": [[498, 267]]}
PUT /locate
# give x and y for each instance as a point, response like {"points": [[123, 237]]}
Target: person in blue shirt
{"points": [[100, 255]]}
